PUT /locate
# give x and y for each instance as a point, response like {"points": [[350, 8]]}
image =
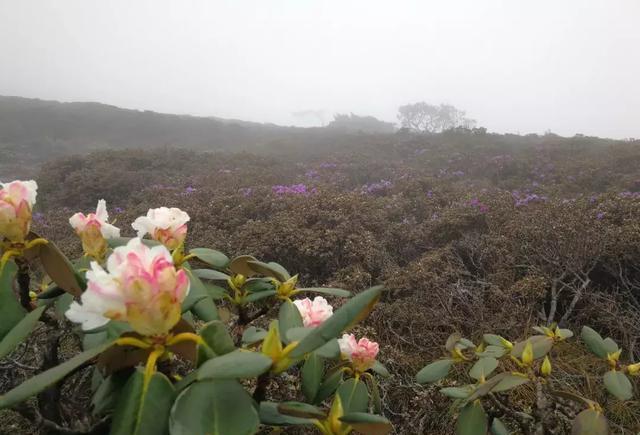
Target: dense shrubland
{"points": [[470, 233]]}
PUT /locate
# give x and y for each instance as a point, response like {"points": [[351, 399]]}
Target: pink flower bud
{"points": [[141, 286], [165, 225], [16, 204], [362, 354], [313, 313], [94, 230]]}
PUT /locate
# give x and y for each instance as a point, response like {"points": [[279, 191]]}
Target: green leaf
{"points": [[493, 351], [457, 392], [594, 342], [509, 381], [198, 299], [217, 339], [590, 422], [380, 369], [300, 410], [141, 411], [311, 373], [51, 293], [240, 265], [235, 365], [212, 257], [472, 420], [210, 274], [483, 368], [215, 292], [11, 312], [369, 424], [214, 408], [253, 335], [493, 339], [106, 396], [618, 384], [20, 331], [329, 386], [498, 427], [354, 396], [609, 345], [326, 291], [288, 317], [34, 385], [329, 350], [541, 345], [434, 371], [273, 270], [60, 269], [565, 333], [257, 285], [351, 312], [253, 297], [270, 416]]}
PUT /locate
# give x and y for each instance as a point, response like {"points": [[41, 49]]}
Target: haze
{"points": [[565, 66]]}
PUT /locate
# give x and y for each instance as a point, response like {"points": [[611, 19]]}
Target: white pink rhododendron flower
{"points": [[16, 204], [165, 225], [94, 230], [141, 286], [315, 312], [362, 354]]}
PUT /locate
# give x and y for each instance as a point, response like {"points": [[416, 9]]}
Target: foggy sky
{"points": [[570, 66]]}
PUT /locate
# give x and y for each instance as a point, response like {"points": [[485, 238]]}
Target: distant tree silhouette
{"points": [[428, 118], [355, 123]]}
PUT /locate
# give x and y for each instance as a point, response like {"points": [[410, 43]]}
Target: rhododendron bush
{"points": [[185, 340], [165, 358]]}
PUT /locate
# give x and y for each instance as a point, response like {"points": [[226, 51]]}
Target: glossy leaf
{"points": [[509, 381], [498, 427], [300, 410], [214, 408], [368, 424], [235, 365], [11, 312], [253, 297], [590, 422], [41, 381], [211, 256], [240, 265], [272, 269], [106, 396], [356, 308], [472, 420], [20, 331], [434, 371], [269, 415], [311, 373], [354, 396], [618, 384], [198, 299], [217, 339], [483, 368], [141, 411], [457, 392], [329, 386], [593, 341], [59, 268], [288, 317], [380, 369], [253, 335], [541, 345], [211, 274]]}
